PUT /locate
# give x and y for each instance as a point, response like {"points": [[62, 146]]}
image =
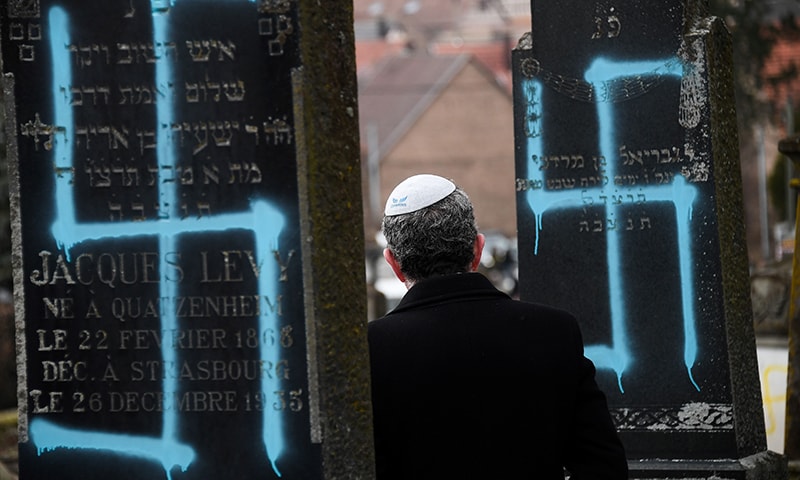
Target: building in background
{"points": [[441, 114], [435, 97]]}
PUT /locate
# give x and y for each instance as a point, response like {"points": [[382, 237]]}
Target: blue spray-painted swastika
{"points": [[263, 219], [680, 193]]}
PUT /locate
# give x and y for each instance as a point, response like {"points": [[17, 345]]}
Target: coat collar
{"points": [[447, 288]]}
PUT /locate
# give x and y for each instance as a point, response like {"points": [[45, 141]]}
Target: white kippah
{"points": [[417, 192]]}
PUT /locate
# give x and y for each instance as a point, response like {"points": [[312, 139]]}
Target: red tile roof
{"points": [[370, 52], [424, 12], [393, 96], [785, 57], [496, 56]]}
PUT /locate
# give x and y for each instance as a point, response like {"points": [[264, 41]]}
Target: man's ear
{"points": [[480, 241], [388, 255]]}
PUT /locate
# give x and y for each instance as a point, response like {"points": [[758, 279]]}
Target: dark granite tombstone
{"points": [[630, 216], [188, 244]]}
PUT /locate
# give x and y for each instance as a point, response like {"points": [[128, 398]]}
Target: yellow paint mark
{"points": [[769, 400]]}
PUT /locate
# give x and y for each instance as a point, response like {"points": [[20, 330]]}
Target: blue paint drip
{"points": [[164, 5], [269, 219], [263, 219], [62, 151], [684, 196], [48, 437], [603, 69], [616, 280], [680, 193], [540, 200], [165, 148]]}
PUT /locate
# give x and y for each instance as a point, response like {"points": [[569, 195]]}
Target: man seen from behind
{"points": [[468, 383]]}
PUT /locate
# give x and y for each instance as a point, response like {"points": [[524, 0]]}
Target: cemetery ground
{"points": [[8, 444]]}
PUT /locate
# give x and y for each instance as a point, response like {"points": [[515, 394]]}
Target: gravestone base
{"points": [[794, 470], [765, 465]]}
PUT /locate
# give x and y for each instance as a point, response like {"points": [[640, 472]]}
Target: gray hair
{"points": [[436, 240]]}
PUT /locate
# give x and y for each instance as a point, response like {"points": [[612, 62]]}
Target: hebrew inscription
{"points": [[615, 190], [164, 308]]}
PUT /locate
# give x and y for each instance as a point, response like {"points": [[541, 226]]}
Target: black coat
{"points": [[468, 383]]}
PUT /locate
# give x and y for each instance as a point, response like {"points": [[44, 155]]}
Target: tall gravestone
{"points": [[630, 216], [188, 246]]}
